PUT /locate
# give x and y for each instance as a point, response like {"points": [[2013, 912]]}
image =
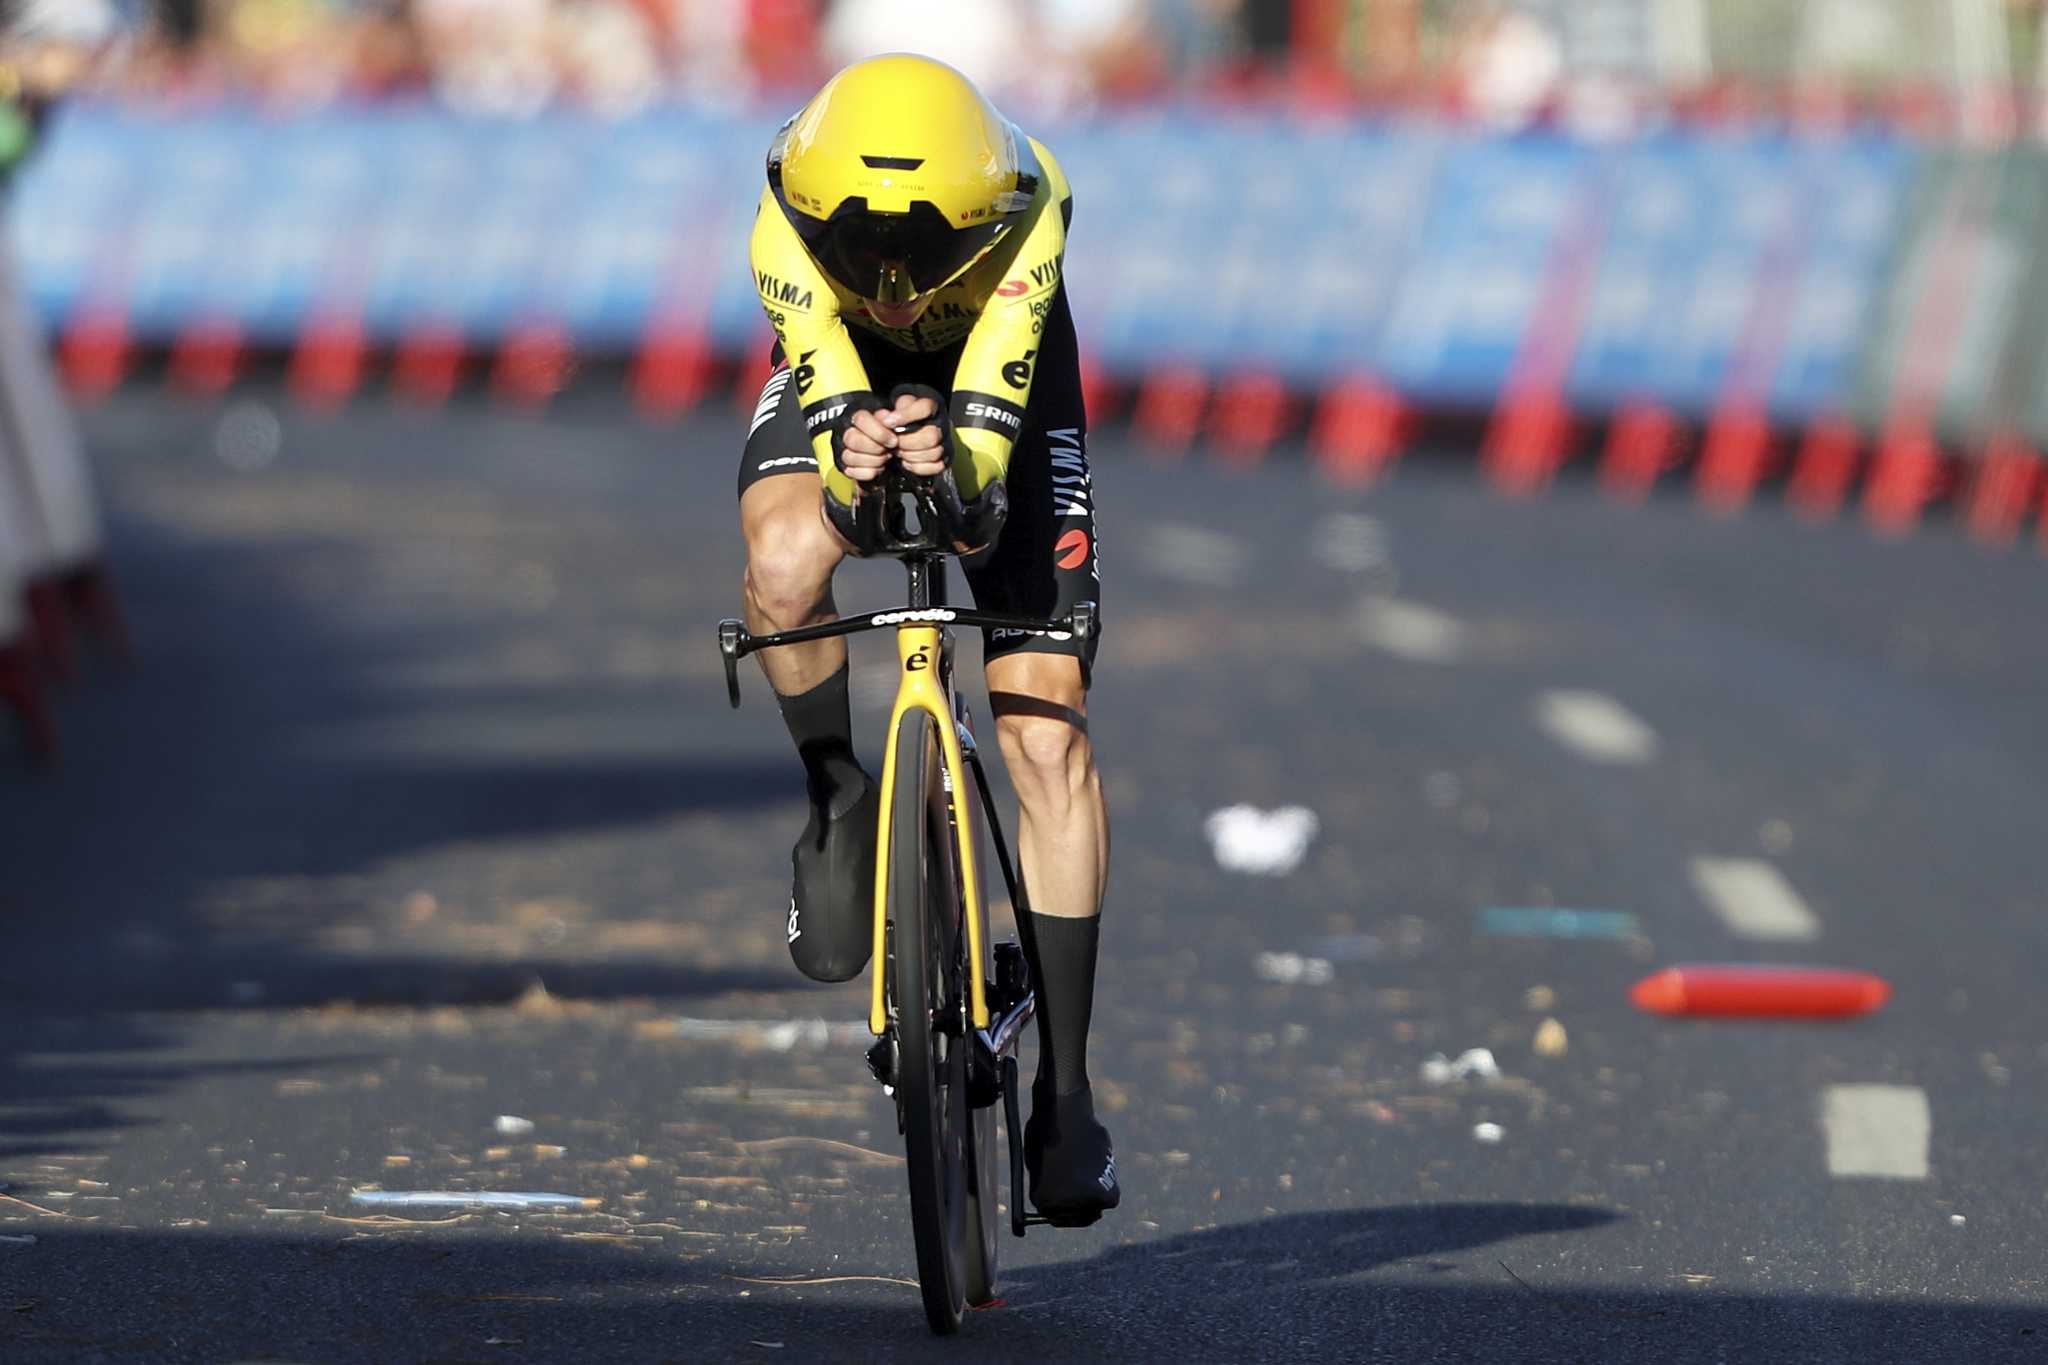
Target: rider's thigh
{"points": [[1048, 685]]}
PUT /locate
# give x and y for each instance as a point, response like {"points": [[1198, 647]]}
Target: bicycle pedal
{"points": [[882, 1063]]}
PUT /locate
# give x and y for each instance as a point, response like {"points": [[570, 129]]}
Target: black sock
{"points": [[821, 723], [1062, 954]]}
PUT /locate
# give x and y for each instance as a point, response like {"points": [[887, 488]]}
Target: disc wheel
{"points": [[931, 1076]]}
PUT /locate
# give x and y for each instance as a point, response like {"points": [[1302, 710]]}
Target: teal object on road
{"points": [[1553, 923]]}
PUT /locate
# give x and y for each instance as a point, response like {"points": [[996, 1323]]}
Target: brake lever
{"points": [[733, 641], [1082, 622]]}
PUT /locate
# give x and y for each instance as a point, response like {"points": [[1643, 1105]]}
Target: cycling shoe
{"points": [[1067, 1153], [832, 905]]}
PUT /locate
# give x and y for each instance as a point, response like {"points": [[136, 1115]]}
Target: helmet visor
{"points": [[895, 258]]}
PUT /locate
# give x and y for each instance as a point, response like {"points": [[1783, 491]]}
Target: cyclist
{"points": [[907, 250]]}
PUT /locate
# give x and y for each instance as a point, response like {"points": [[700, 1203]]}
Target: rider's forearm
{"points": [[980, 457]]}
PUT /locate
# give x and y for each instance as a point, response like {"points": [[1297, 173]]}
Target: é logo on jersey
{"points": [[1017, 374], [805, 372]]}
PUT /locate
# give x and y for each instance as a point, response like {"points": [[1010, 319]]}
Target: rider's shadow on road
{"points": [[1293, 1251]]}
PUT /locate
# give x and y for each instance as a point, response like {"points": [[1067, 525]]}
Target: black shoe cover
{"points": [[832, 907], [1073, 1172]]}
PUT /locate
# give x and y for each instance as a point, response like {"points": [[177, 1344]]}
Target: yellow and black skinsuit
{"points": [[999, 343]]}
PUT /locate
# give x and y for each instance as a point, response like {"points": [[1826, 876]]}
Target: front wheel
{"points": [[925, 974]]}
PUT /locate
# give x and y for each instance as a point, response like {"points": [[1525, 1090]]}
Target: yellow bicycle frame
{"points": [[917, 648]]}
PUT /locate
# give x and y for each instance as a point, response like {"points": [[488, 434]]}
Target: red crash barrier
{"points": [[1251, 412], [1171, 405], [1642, 442], [1359, 429]]}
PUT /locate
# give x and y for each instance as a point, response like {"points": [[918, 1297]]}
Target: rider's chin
{"points": [[898, 314]]}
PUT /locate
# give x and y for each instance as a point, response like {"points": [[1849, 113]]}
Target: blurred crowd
{"points": [[614, 56], [1505, 62]]}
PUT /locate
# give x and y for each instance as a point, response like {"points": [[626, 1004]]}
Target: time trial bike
{"points": [[946, 1006]]}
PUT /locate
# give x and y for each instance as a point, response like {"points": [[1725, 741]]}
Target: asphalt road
{"points": [[425, 808]]}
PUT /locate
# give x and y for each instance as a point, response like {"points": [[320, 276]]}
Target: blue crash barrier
{"points": [[1421, 254]]}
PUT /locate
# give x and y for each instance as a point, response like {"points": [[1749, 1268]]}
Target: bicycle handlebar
{"points": [[877, 524], [736, 643]]}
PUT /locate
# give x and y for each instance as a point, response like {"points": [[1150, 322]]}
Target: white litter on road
{"points": [[777, 1035], [1595, 726], [1264, 843], [1408, 630], [1878, 1131], [464, 1199], [1293, 969], [511, 1125], [1488, 1132], [1473, 1062], [1753, 899], [1191, 554]]}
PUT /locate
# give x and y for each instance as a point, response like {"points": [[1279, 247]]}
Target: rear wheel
{"points": [[932, 1034]]}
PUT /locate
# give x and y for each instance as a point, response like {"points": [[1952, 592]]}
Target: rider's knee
{"points": [[1049, 759], [787, 577]]}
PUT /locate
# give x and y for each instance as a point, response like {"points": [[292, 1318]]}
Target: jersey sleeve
{"points": [[804, 312], [993, 381]]}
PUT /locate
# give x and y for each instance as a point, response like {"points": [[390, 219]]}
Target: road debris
{"points": [[1551, 1040], [1351, 948], [489, 1199], [1291, 969], [1551, 922], [777, 1035], [1488, 1133], [777, 1144], [38, 1208], [1956, 1220], [825, 1279], [1770, 990], [1260, 842], [511, 1125], [1476, 1062]]}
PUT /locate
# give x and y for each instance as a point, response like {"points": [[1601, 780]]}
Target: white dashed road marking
{"points": [[1350, 543], [1877, 1130], [1753, 899], [1596, 727], [1190, 554], [1408, 630]]}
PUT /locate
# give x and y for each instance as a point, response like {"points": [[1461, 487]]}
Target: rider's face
{"points": [[898, 314]]}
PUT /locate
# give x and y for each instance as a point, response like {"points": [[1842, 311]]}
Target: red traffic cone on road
{"points": [[1735, 990]]}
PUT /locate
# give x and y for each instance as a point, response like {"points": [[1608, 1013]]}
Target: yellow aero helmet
{"points": [[899, 175]]}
